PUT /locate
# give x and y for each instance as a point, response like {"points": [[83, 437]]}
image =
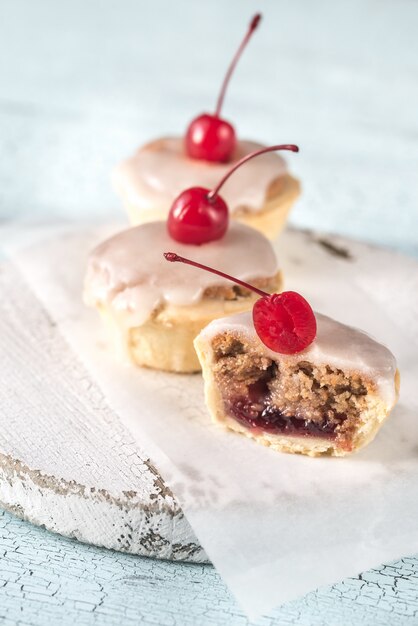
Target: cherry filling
{"points": [[255, 411]]}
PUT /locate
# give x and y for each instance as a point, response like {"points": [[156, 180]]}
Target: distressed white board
{"points": [[66, 461]]}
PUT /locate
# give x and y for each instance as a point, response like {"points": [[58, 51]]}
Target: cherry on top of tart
{"points": [[200, 215], [209, 137], [284, 322]]}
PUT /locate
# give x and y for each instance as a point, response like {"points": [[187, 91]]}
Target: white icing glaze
{"points": [[129, 271], [336, 344], [160, 171]]}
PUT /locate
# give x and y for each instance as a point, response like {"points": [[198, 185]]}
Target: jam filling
{"points": [[255, 411]]}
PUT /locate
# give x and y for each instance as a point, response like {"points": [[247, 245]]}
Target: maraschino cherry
{"points": [[199, 215], [209, 137], [284, 322]]}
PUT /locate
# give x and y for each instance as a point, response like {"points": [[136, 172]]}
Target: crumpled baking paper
{"points": [[274, 525]]}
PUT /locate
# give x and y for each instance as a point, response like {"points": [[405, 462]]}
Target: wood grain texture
{"points": [[45, 579], [82, 84], [66, 462]]}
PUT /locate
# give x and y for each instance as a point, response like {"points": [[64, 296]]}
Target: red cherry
{"points": [[284, 322], [199, 215], [209, 137], [196, 219]]}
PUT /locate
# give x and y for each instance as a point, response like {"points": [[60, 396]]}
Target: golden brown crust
{"points": [[277, 187], [346, 404], [280, 196], [272, 284], [165, 341], [271, 219]]}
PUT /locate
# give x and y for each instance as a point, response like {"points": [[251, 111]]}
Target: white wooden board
{"points": [[66, 461]]}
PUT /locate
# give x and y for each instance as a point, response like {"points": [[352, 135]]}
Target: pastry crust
{"points": [[155, 311], [165, 341], [270, 219], [374, 412]]}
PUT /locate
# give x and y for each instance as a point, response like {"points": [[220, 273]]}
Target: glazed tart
{"points": [[154, 312], [329, 399], [260, 195]]}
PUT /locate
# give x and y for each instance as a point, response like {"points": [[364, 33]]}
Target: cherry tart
{"points": [[329, 398], [260, 195], [154, 310]]}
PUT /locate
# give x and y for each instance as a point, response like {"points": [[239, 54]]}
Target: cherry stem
{"points": [[288, 146], [173, 257], [253, 25]]}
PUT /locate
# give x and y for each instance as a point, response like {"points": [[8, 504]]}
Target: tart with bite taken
{"points": [[150, 180], [296, 381], [154, 314]]}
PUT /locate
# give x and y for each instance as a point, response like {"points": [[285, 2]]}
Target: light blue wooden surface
{"points": [[46, 579], [81, 84]]}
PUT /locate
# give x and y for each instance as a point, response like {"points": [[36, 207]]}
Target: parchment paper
{"points": [[275, 526]]}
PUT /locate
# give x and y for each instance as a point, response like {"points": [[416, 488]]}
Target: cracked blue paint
{"points": [[72, 102], [45, 579]]}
